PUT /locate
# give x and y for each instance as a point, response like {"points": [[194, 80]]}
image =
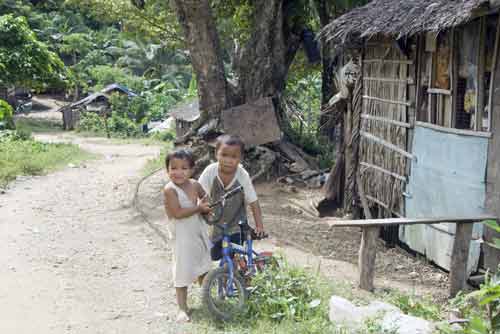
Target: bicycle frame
{"points": [[229, 248]]}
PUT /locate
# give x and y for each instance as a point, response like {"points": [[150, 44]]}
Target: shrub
{"points": [[6, 112], [287, 293]]}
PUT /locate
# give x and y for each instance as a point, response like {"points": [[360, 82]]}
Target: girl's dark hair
{"points": [[182, 154], [231, 140]]}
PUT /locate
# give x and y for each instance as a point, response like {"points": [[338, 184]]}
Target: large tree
{"points": [[259, 67], [24, 60], [259, 63]]}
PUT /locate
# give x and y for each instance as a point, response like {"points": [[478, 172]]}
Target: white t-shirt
{"points": [[211, 173]]}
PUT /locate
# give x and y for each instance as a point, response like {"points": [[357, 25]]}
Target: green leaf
{"points": [[477, 326], [492, 224]]}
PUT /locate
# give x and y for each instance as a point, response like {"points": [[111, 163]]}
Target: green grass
{"points": [[158, 162], [37, 125], [286, 300], [29, 157]]}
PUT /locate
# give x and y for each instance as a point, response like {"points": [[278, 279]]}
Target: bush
{"points": [[6, 113], [287, 293]]}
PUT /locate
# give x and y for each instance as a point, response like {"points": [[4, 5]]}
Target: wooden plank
{"points": [[459, 258], [255, 122], [438, 91], [362, 196], [453, 76], [481, 68], [386, 120], [404, 221], [385, 171], [461, 132], [408, 81], [492, 255], [386, 144], [493, 73], [388, 61], [404, 103]]}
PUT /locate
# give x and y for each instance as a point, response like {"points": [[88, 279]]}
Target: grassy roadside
{"points": [[20, 154], [37, 125], [158, 162]]}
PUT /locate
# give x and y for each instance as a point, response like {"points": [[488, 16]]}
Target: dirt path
{"points": [[76, 257]]}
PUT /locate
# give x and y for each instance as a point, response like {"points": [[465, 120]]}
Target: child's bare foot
{"points": [[183, 317]]}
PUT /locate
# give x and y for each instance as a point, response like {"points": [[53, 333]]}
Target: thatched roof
{"points": [[402, 18]]}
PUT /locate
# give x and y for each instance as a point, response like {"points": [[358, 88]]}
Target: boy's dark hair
{"points": [[231, 140], [182, 154]]}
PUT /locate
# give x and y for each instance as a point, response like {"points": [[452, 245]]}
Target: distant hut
{"points": [[95, 102], [430, 122], [185, 115]]}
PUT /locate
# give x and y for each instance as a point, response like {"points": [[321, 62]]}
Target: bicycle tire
{"points": [[219, 309]]}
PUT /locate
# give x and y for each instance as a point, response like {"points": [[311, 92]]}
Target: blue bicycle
{"points": [[225, 289]]}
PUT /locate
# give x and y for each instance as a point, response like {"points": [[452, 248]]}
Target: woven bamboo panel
{"points": [[385, 98]]}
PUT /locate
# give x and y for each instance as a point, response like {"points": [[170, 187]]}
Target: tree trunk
{"points": [[329, 63], [265, 60], [202, 40]]}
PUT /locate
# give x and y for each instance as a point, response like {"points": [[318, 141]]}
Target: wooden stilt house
{"points": [[430, 119]]}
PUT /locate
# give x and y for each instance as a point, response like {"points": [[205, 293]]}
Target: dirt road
{"points": [[76, 257]]}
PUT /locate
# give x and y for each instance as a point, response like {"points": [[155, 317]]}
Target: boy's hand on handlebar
{"points": [[259, 230], [204, 206]]}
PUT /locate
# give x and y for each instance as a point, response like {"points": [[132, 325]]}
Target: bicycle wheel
{"points": [[221, 303]]}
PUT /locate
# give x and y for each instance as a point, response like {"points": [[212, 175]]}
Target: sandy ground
{"points": [[77, 256]]}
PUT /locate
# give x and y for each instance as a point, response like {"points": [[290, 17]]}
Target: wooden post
{"points": [[459, 258], [367, 256], [368, 249]]}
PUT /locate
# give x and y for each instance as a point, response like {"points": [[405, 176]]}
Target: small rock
{"points": [[400, 267], [413, 274], [343, 312], [307, 174], [114, 267], [295, 168], [289, 180], [2, 191], [406, 324]]}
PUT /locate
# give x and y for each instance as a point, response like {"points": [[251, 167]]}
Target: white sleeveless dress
{"points": [[190, 243]]}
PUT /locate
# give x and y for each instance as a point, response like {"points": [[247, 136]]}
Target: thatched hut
{"points": [[185, 115], [96, 102], [430, 124]]}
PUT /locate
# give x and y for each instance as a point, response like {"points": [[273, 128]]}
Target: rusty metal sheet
{"points": [[254, 122]]}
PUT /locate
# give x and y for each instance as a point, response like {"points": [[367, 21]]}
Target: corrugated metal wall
{"points": [[447, 180]]}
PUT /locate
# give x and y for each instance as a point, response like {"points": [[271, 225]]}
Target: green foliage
{"points": [[418, 307], [6, 111], [286, 293], [21, 155], [495, 227], [103, 75], [24, 60], [488, 300]]}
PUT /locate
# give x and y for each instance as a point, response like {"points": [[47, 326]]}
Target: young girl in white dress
{"points": [[185, 201]]}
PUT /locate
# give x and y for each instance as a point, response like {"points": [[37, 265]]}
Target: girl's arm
{"points": [[201, 192], [174, 209]]}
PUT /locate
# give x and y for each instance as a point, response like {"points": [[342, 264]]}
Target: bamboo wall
{"points": [[385, 125]]}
